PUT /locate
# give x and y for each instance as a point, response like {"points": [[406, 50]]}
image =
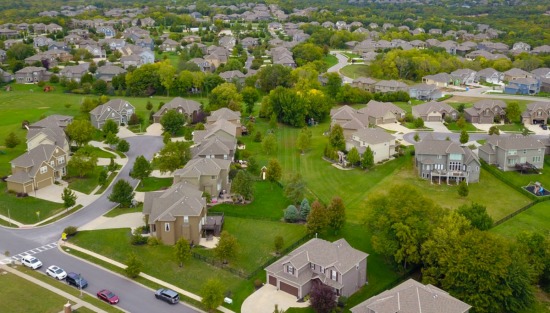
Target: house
{"points": [[42, 41], [490, 75], [145, 42], [380, 142], [350, 119], [249, 42], [233, 76], [74, 72], [412, 294], [203, 65], [434, 111], [169, 45], [117, 110], [188, 108], [37, 168], [222, 129], [108, 31], [439, 80], [335, 264], [234, 117], [215, 148], [107, 72], [390, 86], [543, 72], [536, 113], [445, 160], [5, 77], [508, 153], [112, 43], [425, 92], [523, 86], [464, 76], [516, 73], [382, 112], [365, 83], [227, 42], [32, 74], [49, 130], [486, 111], [208, 175]]}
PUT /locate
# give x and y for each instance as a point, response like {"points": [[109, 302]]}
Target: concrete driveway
{"points": [[154, 129], [53, 193], [129, 220], [537, 130], [264, 299], [437, 127], [123, 132]]}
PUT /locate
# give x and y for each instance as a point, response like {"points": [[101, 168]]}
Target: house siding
{"points": [[354, 279]]}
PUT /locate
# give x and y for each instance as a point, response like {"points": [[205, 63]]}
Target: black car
{"points": [[167, 295], [544, 126], [76, 280]]}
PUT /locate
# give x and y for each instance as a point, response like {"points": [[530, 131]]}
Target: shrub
{"points": [[54, 79], [70, 230], [258, 137], [137, 238], [258, 283], [153, 241], [291, 214]]}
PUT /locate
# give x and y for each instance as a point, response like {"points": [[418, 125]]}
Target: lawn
{"points": [[102, 153], [107, 183], [516, 127], [330, 60], [24, 209], [522, 180], [86, 184], [119, 211], [467, 126], [536, 218], [154, 183], [355, 70], [352, 55]]}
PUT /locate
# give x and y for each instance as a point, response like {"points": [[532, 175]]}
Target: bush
{"points": [[153, 241], [291, 214], [70, 230], [54, 79], [258, 283], [258, 137], [137, 238], [134, 119]]}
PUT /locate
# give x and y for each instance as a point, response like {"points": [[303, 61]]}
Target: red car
{"points": [[107, 296]]}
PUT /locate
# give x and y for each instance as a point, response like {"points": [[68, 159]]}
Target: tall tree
{"points": [[212, 294], [368, 158], [167, 74], [334, 84], [250, 97], [291, 214], [82, 163], [305, 208], [225, 95], [172, 156], [336, 214], [182, 251], [80, 132], [141, 169], [172, 121], [69, 198], [269, 144], [271, 77], [317, 219], [110, 126], [304, 139], [243, 184], [274, 171], [477, 215], [353, 157], [463, 189], [513, 113], [123, 193], [295, 188], [464, 137], [227, 248], [336, 137]]}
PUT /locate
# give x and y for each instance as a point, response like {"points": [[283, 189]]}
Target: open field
{"points": [[536, 218], [355, 70]]}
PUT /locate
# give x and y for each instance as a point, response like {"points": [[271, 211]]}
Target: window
{"points": [[153, 228], [321, 269], [61, 160], [512, 152], [333, 275], [455, 156], [52, 163], [290, 269], [186, 219], [512, 162], [166, 227], [524, 151], [43, 169], [455, 166], [536, 159], [439, 157], [225, 156], [312, 266]]}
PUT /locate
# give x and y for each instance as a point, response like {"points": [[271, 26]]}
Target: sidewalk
{"points": [[193, 296]]}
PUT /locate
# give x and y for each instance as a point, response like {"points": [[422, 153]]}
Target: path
{"points": [[342, 61]]}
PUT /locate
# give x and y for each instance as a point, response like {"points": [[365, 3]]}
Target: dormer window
{"points": [[290, 269], [312, 266], [334, 275]]}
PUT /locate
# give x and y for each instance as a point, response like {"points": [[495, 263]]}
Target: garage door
{"points": [[434, 119], [272, 280], [289, 289], [44, 183]]}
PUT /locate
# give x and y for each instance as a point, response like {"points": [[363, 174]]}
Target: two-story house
{"points": [[382, 112], [117, 110], [486, 111], [523, 86], [365, 83], [390, 86], [49, 130], [335, 264], [380, 142], [233, 77], [208, 175], [233, 117], [509, 153], [350, 119], [490, 75], [434, 111], [188, 108], [445, 160], [425, 92], [107, 72], [32, 74], [215, 148], [74, 72], [536, 113]]}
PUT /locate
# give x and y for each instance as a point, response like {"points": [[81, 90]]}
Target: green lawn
{"points": [[102, 153], [355, 70], [107, 183], [154, 184], [86, 184], [330, 60], [351, 55], [516, 127], [119, 211], [468, 127], [522, 180], [536, 218], [24, 210]]}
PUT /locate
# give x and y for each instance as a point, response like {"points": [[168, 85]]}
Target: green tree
{"points": [[80, 132], [144, 81], [149, 106], [253, 166], [172, 121], [334, 84], [291, 214], [82, 163], [243, 184], [123, 146], [461, 122], [463, 189], [278, 243], [212, 294], [336, 137], [295, 188], [274, 171], [304, 139], [477, 215], [123, 193], [227, 248], [167, 74], [271, 77], [133, 266], [111, 139], [141, 169], [494, 131], [416, 137], [12, 140], [273, 121], [250, 97], [317, 220], [69, 198], [307, 52], [225, 95], [353, 156], [305, 208], [336, 214], [166, 138], [536, 247], [102, 178], [418, 123], [269, 144], [367, 161], [20, 51], [513, 113], [172, 156], [464, 137], [110, 126], [182, 251]]}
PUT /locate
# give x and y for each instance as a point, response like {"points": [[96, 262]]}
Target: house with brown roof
{"points": [[434, 111], [209, 175], [516, 73], [412, 296], [486, 111], [365, 83], [380, 142], [188, 108], [382, 112], [117, 110], [445, 160], [50, 131], [233, 117], [536, 113], [335, 264], [510, 152]]}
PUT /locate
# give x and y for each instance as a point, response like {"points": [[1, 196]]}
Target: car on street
{"points": [[167, 295], [56, 272], [76, 280], [32, 262], [108, 296]]}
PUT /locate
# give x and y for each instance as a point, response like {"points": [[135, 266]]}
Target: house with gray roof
{"points": [[486, 111], [74, 72], [334, 264], [215, 148], [349, 118], [425, 92], [382, 112], [365, 83], [536, 113], [208, 175], [523, 86], [49, 130], [233, 76], [107, 72], [390, 86], [439, 80], [169, 45], [32, 74], [188, 108], [516, 73], [380, 142], [434, 111], [464, 76], [445, 160], [510, 152], [234, 117], [117, 110], [490, 75], [412, 296]]}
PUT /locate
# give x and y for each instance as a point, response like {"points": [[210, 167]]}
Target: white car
{"points": [[56, 272], [32, 262]]}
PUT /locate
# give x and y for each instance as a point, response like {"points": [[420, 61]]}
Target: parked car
{"points": [[56, 272], [107, 296], [32, 262], [167, 295], [544, 126], [76, 280]]}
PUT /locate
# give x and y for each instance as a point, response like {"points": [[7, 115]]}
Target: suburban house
{"points": [[434, 111], [208, 175], [490, 75], [380, 142], [425, 92], [513, 152], [486, 111], [412, 294], [107, 72], [169, 45], [117, 110], [349, 118], [74, 72], [222, 129], [523, 86], [335, 264], [234, 117], [37, 168], [516, 73], [440, 79], [536, 113], [464, 76], [215, 148], [5, 77], [365, 83], [382, 112], [445, 160], [188, 108], [49, 130], [390, 86], [233, 76], [108, 31], [31, 74]]}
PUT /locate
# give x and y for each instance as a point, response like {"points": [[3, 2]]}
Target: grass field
{"points": [[536, 218], [516, 127], [355, 70], [330, 60], [154, 184], [24, 209], [120, 211], [351, 55], [85, 184], [468, 127]]}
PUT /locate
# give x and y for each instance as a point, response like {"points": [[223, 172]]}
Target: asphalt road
{"points": [[133, 297]]}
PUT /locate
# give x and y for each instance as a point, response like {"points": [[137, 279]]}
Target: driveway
{"points": [[123, 132], [129, 220], [342, 61], [154, 129], [437, 127], [537, 130], [265, 298]]}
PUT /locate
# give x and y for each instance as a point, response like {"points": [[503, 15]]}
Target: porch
{"points": [[448, 176]]}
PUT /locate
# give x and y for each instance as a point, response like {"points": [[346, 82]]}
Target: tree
{"points": [[418, 123], [141, 169], [269, 144], [463, 189], [336, 214], [12, 140], [225, 95], [274, 171], [494, 131], [99, 87], [271, 77], [166, 73], [69, 198], [477, 215], [110, 126], [368, 158], [461, 122], [278, 243], [243, 184], [166, 138], [133, 266], [513, 113], [416, 137], [464, 137], [172, 156], [353, 156], [305, 208], [304, 139], [273, 121], [322, 298], [336, 137], [123, 146], [172, 121], [102, 178], [536, 247], [82, 163], [252, 165], [111, 139], [80, 131], [291, 214], [123, 193], [149, 106], [307, 52], [317, 219], [250, 97], [182, 251], [334, 84], [227, 248], [295, 188], [212, 294], [20, 51]]}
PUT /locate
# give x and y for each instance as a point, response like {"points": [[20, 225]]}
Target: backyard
{"points": [[536, 218]]}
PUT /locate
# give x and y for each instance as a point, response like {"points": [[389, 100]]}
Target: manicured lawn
{"points": [[154, 184], [522, 180], [355, 70], [410, 125], [102, 153], [119, 211], [24, 209], [330, 60], [511, 127], [351, 55], [86, 184], [107, 183], [536, 218], [467, 126]]}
